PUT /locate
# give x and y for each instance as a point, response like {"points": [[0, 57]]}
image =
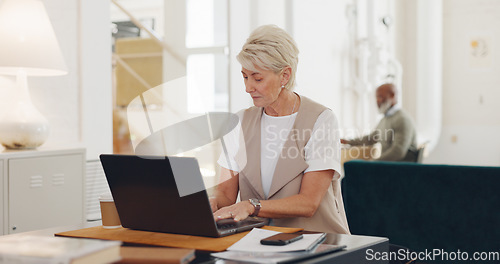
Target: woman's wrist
{"points": [[256, 206]]}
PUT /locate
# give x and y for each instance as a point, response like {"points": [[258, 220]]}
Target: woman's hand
{"points": [[238, 211]]}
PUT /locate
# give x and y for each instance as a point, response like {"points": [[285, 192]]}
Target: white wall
{"points": [[96, 112], [471, 113], [419, 48], [320, 30]]}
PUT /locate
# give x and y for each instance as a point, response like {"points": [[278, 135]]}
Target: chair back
{"points": [[420, 154]]}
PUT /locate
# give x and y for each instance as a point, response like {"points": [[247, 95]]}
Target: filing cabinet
{"points": [[41, 188]]}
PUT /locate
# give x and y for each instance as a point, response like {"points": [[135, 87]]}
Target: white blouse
{"points": [[322, 151]]}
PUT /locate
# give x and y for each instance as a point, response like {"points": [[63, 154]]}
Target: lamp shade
{"points": [[28, 41]]}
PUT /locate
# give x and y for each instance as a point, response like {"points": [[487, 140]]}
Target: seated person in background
{"points": [[290, 177], [395, 132]]}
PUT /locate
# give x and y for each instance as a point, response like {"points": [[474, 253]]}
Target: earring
{"points": [[282, 86]]}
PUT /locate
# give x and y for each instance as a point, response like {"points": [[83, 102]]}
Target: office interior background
{"points": [[442, 53]]}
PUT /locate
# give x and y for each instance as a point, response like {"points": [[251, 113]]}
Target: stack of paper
{"points": [[249, 248]]}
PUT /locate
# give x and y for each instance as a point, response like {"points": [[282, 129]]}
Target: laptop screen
{"points": [[161, 194]]}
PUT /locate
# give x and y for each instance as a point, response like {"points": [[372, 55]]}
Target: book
{"points": [[155, 255], [20, 249]]}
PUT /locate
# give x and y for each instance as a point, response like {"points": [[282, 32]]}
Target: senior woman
{"points": [[291, 174]]}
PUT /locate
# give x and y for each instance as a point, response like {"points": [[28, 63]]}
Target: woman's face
{"points": [[263, 85]]}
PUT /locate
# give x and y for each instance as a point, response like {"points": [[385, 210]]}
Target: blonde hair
{"points": [[270, 48]]}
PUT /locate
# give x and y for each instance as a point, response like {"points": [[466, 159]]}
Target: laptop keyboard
{"points": [[227, 224]]}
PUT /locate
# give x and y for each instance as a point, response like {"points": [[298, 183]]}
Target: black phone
{"points": [[281, 239]]}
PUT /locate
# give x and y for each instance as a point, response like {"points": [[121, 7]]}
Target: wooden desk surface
{"points": [[147, 238]]}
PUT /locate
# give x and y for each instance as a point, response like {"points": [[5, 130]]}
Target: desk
{"points": [[354, 253]]}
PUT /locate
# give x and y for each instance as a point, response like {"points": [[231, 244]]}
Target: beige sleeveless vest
{"points": [[330, 216]]}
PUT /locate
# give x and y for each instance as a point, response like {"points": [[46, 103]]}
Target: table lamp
{"points": [[28, 47]]}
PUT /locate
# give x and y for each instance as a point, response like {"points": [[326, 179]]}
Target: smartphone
{"points": [[281, 239]]}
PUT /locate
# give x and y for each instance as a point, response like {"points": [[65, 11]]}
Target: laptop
{"points": [[149, 196]]}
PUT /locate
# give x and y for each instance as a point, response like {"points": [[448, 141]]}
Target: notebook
{"points": [[165, 194]]}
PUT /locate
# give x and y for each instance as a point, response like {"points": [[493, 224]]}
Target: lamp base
{"points": [[22, 126], [23, 135]]}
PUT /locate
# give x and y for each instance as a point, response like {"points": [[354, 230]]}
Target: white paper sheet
{"points": [[251, 242]]}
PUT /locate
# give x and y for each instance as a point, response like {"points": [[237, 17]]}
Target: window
{"points": [[207, 62]]}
